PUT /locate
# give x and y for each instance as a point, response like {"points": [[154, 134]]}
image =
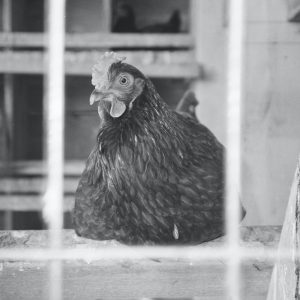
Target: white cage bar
{"points": [[55, 112], [233, 154], [123, 252]]}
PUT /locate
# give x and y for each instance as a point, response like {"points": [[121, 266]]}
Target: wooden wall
{"points": [[271, 103]]}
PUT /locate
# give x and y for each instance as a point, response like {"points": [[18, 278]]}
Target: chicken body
{"points": [[154, 176]]}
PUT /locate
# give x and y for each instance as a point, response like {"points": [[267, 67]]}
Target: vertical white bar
{"points": [[233, 161], [55, 121], [55, 112]]}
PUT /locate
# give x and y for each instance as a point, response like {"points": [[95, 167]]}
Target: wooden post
{"points": [[8, 106]]}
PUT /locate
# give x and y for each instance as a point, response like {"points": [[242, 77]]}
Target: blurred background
{"points": [[180, 45]]}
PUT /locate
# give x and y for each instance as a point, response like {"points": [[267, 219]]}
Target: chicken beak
{"points": [[96, 96], [117, 108]]}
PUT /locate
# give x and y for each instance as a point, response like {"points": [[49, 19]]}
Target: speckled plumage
{"points": [[154, 176]]}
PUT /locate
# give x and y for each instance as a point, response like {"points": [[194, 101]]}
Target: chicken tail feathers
{"points": [[187, 104]]}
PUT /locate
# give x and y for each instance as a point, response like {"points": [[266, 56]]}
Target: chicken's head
{"points": [[117, 85]]}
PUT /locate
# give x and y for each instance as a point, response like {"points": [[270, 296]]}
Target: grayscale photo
{"points": [[150, 149]]}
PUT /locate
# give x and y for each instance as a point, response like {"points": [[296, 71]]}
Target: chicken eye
{"points": [[123, 80]]}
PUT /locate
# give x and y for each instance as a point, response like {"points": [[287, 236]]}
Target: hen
{"points": [[155, 176]]}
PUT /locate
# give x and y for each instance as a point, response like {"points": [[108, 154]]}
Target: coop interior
{"points": [[180, 45]]}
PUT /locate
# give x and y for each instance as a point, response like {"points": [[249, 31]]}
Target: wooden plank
{"points": [[73, 59], [100, 40], [36, 185], [37, 167], [23, 187], [133, 279], [258, 236], [179, 64], [30, 202]]}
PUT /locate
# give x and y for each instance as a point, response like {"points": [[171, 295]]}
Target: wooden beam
{"points": [[30, 202], [100, 40], [266, 237], [38, 168], [23, 185], [36, 185], [133, 279], [166, 64]]}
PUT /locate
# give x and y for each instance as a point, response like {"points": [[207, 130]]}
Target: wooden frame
{"points": [[166, 64], [159, 63], [23, 185], [101, 40]]}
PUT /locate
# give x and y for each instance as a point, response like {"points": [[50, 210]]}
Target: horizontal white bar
{"points": [[100, 40], [123, 252]]}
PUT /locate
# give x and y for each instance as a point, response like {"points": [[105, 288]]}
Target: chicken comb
{"points": [[100, 69]]}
